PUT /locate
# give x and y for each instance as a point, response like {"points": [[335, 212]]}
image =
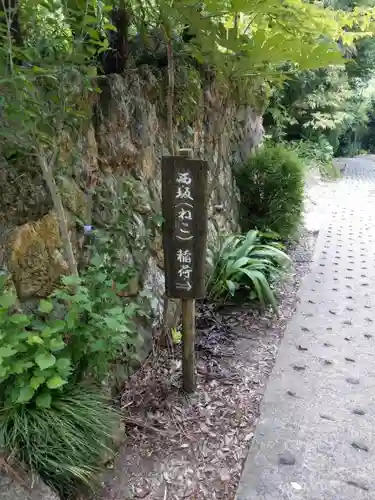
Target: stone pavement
{"points": [[315, 439]]}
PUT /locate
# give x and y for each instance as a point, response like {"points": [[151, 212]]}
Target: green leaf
{"points": [[46, 332], [91, 51], [38, 69], [7, 300], [97, 260], [19, 367], [3, 277], [98, 345], [232, 287], [45, 360], [36, 382], [44, 400], [25, 394], [71, 280], [57, 325], [270, 251], [19, 319], [50, 372], [45, 306], [92, 32], [176, 336], [55, 382], [237, 264], [263, 289], [35, 339], [101, 277], [56, 344], [113, 324], [72, 319], [46, 4], [117, 311], [90, 20], [6, 352], [109, 27], [63, 365]]}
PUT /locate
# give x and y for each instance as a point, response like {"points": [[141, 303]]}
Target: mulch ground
{"points": [[193, 447]]}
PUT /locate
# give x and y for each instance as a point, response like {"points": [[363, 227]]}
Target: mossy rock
{"points": [[35, 258], [73, 197], [23, 194]]}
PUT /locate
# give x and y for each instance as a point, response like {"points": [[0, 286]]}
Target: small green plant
{"points": [[317, 153], [65, 443], [319, 150], [33, 356], [176, 336], [271, 185], [245, 266], [99, 324], [77, 333]]}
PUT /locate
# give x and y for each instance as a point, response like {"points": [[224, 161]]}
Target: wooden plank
{"points": [[184, 203], [188, 344]]}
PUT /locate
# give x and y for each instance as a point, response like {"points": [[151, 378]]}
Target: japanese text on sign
{"points": [[184, 209], [184, 230]]}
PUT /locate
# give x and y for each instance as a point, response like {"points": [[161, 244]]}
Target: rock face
{"points": [[113, 179], [14, 489], [34, 259]]}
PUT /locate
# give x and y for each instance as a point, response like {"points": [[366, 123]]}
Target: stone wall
{"points": [[123, 145]]}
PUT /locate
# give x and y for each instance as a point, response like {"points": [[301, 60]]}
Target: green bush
{"points": [[67, 443], [245, 266], [49, 420], [271, 185], [317, 152], [34, 360], [41, 353]]}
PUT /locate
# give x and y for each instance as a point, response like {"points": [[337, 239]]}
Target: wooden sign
{"points": [[184, 192]]}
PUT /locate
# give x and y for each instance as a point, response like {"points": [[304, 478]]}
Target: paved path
{"points": [[315, 439]]}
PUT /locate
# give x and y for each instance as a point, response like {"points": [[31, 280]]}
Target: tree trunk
{"points": [[58, 205], [166, 336]]}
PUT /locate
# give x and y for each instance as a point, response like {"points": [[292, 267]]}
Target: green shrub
{"points": [[318, 153], [76, 333], [245, 266], [65, 443], [49, 420], [34, 359], [271, 185], [99, 324]]}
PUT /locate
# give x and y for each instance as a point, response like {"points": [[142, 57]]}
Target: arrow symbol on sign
{"points": [[184, 286]]}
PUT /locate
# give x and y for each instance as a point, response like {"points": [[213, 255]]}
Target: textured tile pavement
{"points": [[315, 439]]}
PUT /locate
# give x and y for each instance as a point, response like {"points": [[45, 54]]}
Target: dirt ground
{"points": [[193, 447]]}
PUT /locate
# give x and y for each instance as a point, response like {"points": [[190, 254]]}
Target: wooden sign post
{"points": [[184, 201]]}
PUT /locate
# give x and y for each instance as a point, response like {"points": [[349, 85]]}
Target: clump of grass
{"points": [[65, 444]]}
